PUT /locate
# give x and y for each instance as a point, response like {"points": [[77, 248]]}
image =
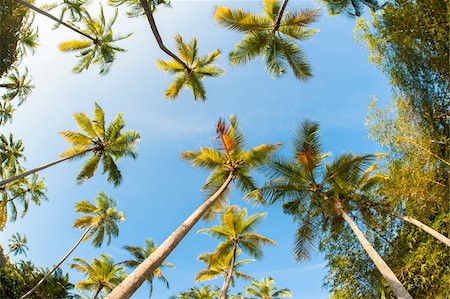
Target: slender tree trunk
{"points": [[280, 15], [396, 286], [97, 292], [227, 281], [151, 21], [43, 12], [130, 284], [31, 171], [7, 85], [424, 227], [57, 265]]}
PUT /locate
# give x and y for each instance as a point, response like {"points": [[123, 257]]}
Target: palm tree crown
{"points": [[272, 35], [229, 157], [106, 144], [264, 289], [18, 86], [205, 292], [199, 68], [102, 218], [98, 50], [18, 244], [102, 274], [140, 254], [135, 7], [353, 8]]}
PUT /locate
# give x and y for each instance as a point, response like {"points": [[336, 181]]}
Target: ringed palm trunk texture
{"points": [[34, 170], [424, 227], [227, 281], [396, 286], [57, 265], [130, 284], [43, 12]]}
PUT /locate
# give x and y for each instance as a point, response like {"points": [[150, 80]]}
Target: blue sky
{"points": [[159, 189]]}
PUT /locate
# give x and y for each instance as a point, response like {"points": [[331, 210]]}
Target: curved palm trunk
{"points": [[43, 12], [227, 281], [97, 292], [130, 284], [151, 21], [396, 286], [280, 15], [424, 227], [31, 171], [57, 265]]}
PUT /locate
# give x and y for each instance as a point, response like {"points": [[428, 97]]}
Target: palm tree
{"points": [[140, 254], [320, 202], [102, 274], [104, 144], [199, 68], [18, 244], [74, 8], [230, 162], [18, 86], [264, 290], [6, 112], [11, 152], [237, 230], [136, 9], [99, 223], [28, 37], [100, 50], [220, 266], [353, 8], [204, 292], [273, 35]]}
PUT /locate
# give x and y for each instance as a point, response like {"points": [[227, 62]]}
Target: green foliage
{"points": [[99, 51], [74, 8], [353, 8], [135, 8], [230, 158], [199, 68], [140, 254], [106, 144], [18, 86], [270, 35], [265, 289], [101, 219], [205, 292], [18, 244]]}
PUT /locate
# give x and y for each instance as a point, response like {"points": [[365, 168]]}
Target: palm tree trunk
{"points": [[34, 170], [151, 21], [227, 281], [43, 12], [57, 265], [97, 292], [280, 15], [130, 284], [396, 286], [424, 227]]}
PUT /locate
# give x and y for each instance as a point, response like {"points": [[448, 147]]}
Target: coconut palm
{"points": [[99, 224], [237, 232], [6, 112], [220, 266], [264, 289], [313, 193], [205, 292], [135, 6], [102, 274], [274, 35], [74, 8], [140, 254], [100, 50], [11, 152], [18, 86], [18, 244], [104, 144], [198, 69], [230, 162], [353, 8], [22, 191], [28, 37]]}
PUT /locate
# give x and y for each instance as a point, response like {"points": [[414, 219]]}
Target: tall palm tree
{"points": [[104, 144], [264, 289], [74, 8], [102, 274], [99, 223], [237, 231], [313, 193], [353, 8], [274, 35], [220, 266], [18, 86], [205, 292], [135, 6], [18, 244], [11, 152], [230, 162], [199, 68], [140, 254], [100, 50], [6, 112]]}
